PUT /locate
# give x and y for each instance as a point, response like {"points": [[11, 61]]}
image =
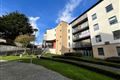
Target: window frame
{"points": [[68, 37], [69, 44], [96, 27], [118, 50], [109, 8], [94, 16], [111, 20], [101, 53], [118, 37], [68, 30], [100, 39]]}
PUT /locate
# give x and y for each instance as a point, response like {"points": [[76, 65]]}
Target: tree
{"points": [[24, 40], [14, 24]]}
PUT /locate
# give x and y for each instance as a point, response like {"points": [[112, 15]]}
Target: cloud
{"points": [[33, 22], [66, 13]]}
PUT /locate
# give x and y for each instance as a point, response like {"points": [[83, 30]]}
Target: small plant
{"points": [[24, 40]]}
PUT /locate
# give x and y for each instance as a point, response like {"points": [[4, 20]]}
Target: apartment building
{"points": [[49, 41], [97, 31], [55, 40], [81, 35], [61, 38], [104, 26]]}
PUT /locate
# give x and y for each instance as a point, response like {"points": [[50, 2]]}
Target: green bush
{"points": [[73, 54]]}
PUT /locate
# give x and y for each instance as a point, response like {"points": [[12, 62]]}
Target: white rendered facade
{"points": [[69, 38], [50, 40], [104, 19]]}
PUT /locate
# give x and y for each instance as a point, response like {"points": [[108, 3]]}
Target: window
{"points": [[69, 44], [68, 31], [69, 37], [109, 8], [113, 20], [100, 51], [98, 38], [96, 27], [116, 34], [118, 51], [94, 16]]}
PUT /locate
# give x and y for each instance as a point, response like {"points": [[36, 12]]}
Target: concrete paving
{"points": [[25, 71]]}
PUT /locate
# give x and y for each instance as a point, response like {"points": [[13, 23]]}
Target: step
{"points": [[108, 71], [105, 63]]}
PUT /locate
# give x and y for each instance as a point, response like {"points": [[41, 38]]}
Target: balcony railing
{"points": [[80, 45], [80, 27], [81, 36]]}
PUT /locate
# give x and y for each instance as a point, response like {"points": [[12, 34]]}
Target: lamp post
{"points": [[35, 30], [1, 36], [0, 49]]}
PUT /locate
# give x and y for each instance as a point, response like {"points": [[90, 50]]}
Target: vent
{"points": [[107, 43]]}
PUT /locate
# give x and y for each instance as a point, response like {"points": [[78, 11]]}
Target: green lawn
{"points": [[14, 58], [70, 71]]}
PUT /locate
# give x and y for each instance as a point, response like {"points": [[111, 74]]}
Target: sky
{"points": [[46, 14]]}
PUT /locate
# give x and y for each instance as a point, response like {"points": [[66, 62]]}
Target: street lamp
{"points": [[35, 30]]}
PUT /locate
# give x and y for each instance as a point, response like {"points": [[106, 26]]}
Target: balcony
{"points": [[81, 36], [81, 45], [81, 27]]}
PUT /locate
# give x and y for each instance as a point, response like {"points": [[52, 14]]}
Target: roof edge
{"points": [[87, 11]]}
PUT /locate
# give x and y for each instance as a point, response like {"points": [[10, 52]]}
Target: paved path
{"points": [[25, 71]]}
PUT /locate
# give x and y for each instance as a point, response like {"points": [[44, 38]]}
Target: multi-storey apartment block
{"points": [[56, 39], [104, 24], [99, 26], [95, 33], [81, 35]]}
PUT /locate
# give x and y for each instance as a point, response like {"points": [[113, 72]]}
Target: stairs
{"points": [[102, 69]]}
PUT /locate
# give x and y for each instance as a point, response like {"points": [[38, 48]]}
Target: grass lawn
{"points": [[70, 71], [14, 58]]}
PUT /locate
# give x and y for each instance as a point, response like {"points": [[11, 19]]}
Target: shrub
{"points": [[113, 59], [73, 54]]}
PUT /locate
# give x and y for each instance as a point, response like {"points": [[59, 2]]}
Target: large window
{"points": [[116, 34], [98, 38], [109, 8], [100, 51], [118, 51], [113, 20], [94, 16], [96, 27]]}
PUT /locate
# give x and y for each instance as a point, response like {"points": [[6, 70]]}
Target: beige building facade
{"points": [[104, 24], [55, 40], [61, 38]]}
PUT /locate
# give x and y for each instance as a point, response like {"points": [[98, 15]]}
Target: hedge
{"points": [[92, 68]]}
